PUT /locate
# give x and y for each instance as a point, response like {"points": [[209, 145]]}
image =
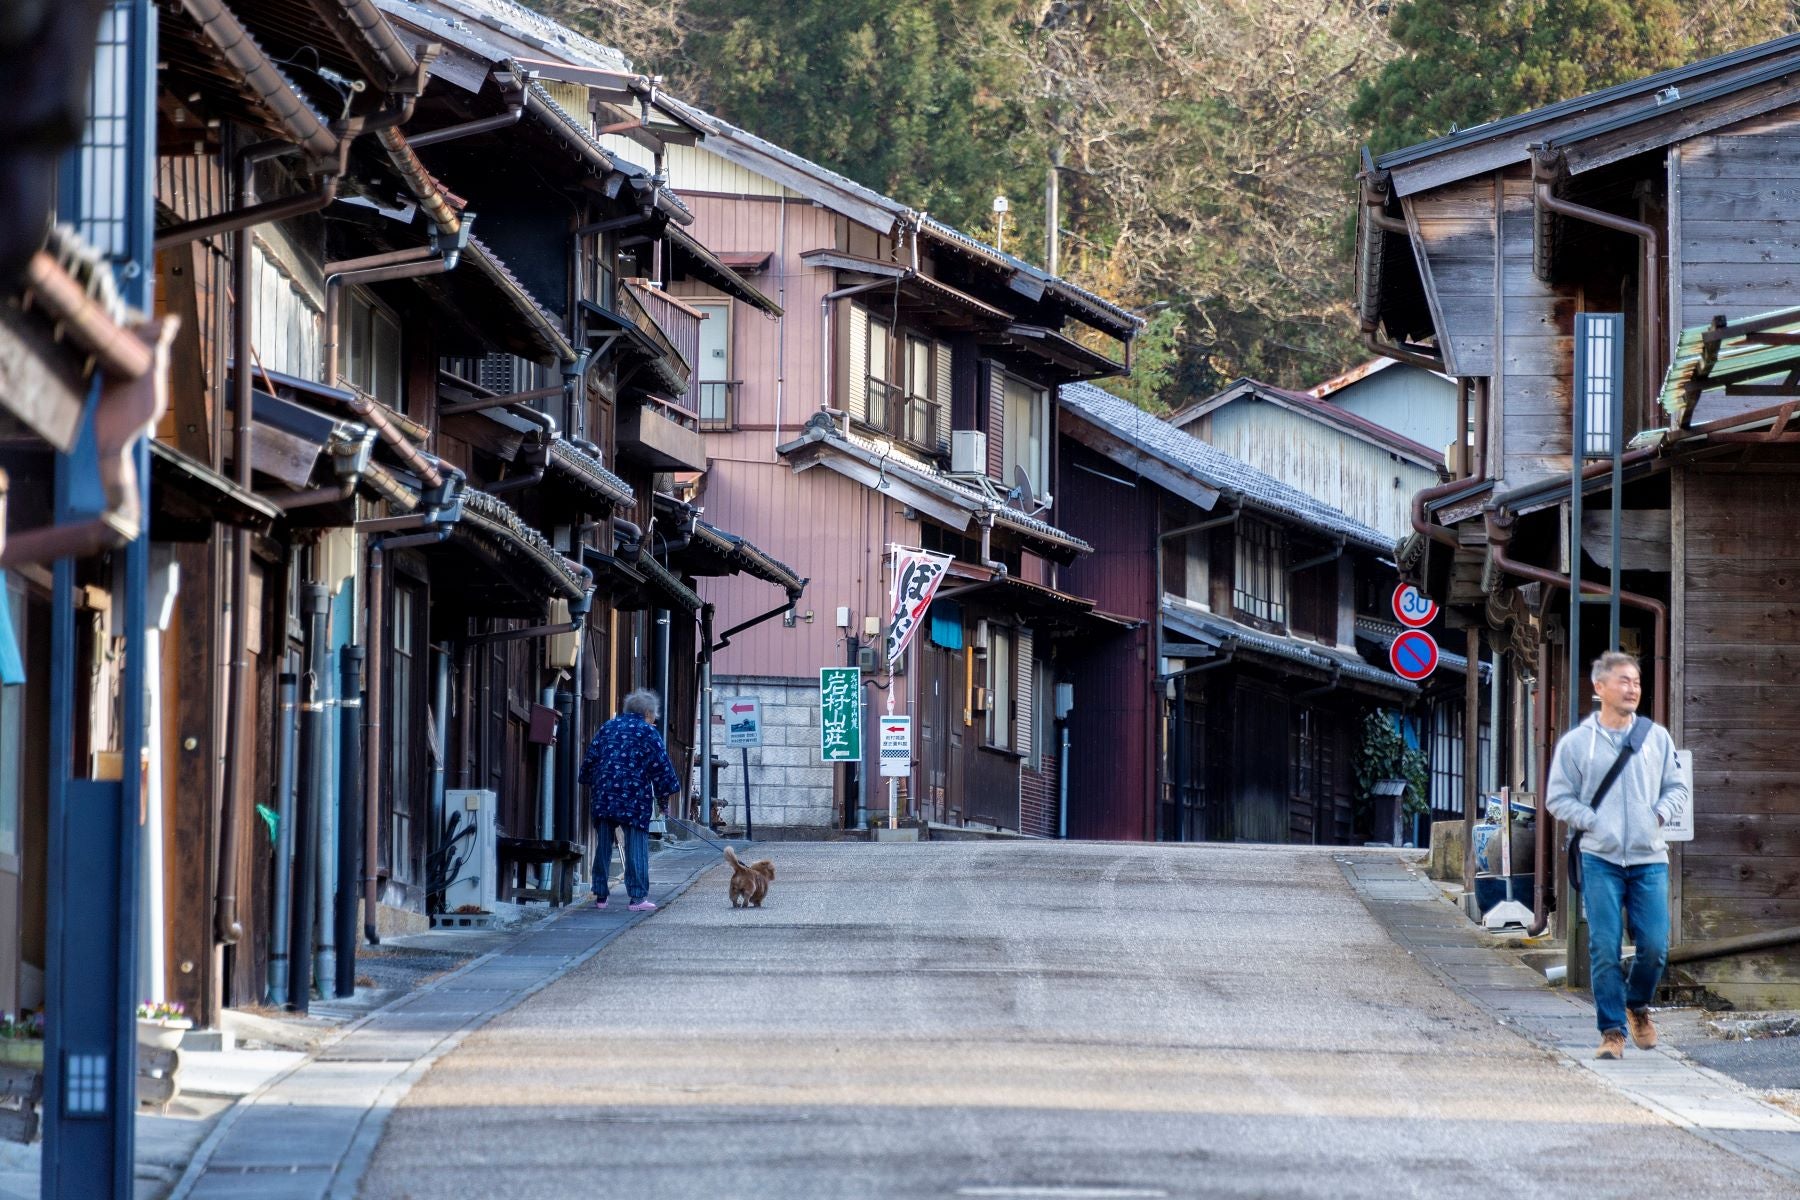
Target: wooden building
{"points": [[1624, 248], [898, 392], [1242, 688]]}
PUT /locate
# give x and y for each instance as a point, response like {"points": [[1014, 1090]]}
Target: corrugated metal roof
{"points": [[1213, 467], [1647, 86]]}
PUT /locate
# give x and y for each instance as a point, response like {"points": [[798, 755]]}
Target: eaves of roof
{"points": [[1222, 632], [544, 327], [507, 20], [822, 436]]}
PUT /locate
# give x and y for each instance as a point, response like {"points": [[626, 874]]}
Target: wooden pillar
{"points": [[1471, 754]]}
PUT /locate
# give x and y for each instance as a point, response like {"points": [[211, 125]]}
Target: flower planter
{"points": [[26, 1052], [162, 1035]]}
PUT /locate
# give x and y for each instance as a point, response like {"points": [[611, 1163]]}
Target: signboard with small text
{"points": [[840, 714], [896, 746], [743, 722], [1414, 608]]}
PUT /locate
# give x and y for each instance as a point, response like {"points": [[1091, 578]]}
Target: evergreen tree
{"points": [[1465, 62]]}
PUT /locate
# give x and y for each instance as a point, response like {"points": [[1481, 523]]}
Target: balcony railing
{"points": [[897, 414], [672, 326], [716, 401]]}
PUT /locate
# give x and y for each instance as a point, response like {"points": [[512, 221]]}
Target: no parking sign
{"points": [[1414, 655]]}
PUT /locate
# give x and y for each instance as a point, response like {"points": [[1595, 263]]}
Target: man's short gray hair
{"points": [[1611, 661], [645, 703]]}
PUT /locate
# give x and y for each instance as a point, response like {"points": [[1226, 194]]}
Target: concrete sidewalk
{"points": [[308, 1133], [1433, 930]]}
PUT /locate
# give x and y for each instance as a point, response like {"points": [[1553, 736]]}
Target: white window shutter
{"points": [[1025, 669], [856, 395], [941, 388]]}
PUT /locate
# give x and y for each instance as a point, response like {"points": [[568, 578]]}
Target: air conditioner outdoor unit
{"points": [[474, 853], [968, 452]]}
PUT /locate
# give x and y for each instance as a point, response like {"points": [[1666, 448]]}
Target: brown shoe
{"points": [[1643, 1032], [1612, 1045]]}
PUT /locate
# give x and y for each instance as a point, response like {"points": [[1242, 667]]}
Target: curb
{"points": [[1717, 1138], [347, 1176]]}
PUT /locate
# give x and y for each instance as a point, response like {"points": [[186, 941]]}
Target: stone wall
{"points": [[789, 786]]}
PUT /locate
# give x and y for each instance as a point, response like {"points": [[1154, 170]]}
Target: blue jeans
{"points": [[637, 859], [1643, 892]]}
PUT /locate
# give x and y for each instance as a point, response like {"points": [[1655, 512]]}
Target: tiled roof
{"points": [[547, 327], [1215, 631], [517, 22], [1213, 467], [574, 461]]}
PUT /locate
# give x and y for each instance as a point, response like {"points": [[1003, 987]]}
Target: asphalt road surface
{"points": [[1022, 1020]]}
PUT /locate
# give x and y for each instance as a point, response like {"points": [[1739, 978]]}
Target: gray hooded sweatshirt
{"points": [[1625, 829]]}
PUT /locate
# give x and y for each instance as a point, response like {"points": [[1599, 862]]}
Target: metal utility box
{"points": [[475, 856]]}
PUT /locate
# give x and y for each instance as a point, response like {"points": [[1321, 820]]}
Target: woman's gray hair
{"points": [[645, 703]]}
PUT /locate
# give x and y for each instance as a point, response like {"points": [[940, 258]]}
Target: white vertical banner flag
{"points": [[917, 574]]}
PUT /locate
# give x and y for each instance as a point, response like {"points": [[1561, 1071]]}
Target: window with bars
{"points": [[1259, 582], [103, 162], [1446, 756], [1600, 374]]}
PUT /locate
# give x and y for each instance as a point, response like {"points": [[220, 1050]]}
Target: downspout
{"points": [[314, 604], [1422, 524], [1499, 530], [349, 831], [986, 520], [246, 214], [282, 885], [372, 701], [1649, 298], [1540, 833]]}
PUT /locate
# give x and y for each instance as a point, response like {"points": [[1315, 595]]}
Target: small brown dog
{"points": [[749, 882]]}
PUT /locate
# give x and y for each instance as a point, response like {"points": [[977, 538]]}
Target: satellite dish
{"points": [[1022, 489]]}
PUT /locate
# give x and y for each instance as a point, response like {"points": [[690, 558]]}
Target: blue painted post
{"points": [[90, 1051]]}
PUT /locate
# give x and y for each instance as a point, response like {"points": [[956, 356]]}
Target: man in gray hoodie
{"points": [[1624, 860]]}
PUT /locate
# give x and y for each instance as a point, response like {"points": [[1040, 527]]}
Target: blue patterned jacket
{"points": [[625, 769]]}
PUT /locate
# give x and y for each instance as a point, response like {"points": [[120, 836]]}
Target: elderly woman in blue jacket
{"points": [[626, 768]]}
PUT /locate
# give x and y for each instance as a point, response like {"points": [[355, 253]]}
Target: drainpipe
{"points": [[986, 520], [372, 701], [1649, 299], [324, 824], [514, 110], [227, 929], [1062, 787], [1422, 524], [282, 886], [1499, 530], [246, 214], [1540, 833], [314, 603], [349, 830]]}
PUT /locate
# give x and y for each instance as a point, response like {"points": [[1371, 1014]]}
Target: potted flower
{"points": [[161, 1024], [22, 1039]]}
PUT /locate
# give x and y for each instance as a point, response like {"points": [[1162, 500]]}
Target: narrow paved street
{"points": [[1023, 1019]]}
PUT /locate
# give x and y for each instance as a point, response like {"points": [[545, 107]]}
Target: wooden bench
{"points": [[516, 854]]}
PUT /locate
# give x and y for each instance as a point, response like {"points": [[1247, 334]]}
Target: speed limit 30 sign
{"points": [[1414, 608]]}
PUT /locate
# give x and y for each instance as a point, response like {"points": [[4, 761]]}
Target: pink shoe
{"points": [[599, 901], [643, 906]]}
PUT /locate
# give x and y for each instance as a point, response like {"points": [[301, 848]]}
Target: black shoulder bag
{"points": [[1640, 729]]}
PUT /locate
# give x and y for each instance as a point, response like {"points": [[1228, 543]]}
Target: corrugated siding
{"points": [[695, 168], [1344, 472], [771, 355], [1734, 224], [1111, 731]]}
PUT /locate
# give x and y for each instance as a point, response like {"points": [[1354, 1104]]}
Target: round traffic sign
{"points": [[1414, 655], [1413, 607]]}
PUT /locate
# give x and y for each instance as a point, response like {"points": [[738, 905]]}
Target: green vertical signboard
{"points": [[840, 714]]}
